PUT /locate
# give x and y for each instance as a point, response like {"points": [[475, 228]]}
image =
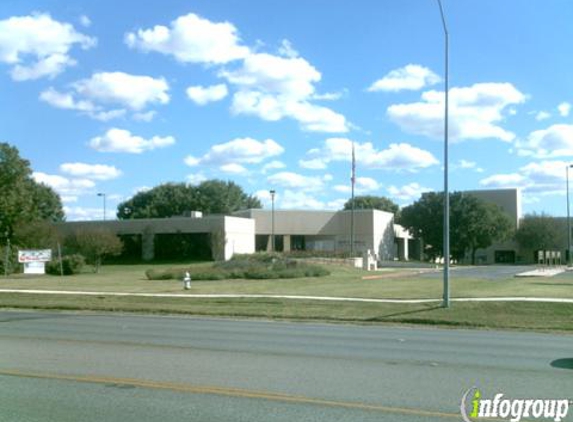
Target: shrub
{"points": [[71, 264]]}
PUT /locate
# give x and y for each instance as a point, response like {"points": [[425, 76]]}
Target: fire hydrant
{"points": [[187, 281]]}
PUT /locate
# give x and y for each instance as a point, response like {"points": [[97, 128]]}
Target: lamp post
{"points": [[103, 195], [446, 295], [272, 192], [568, 219]]}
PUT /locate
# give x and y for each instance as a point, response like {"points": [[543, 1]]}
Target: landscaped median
{"points": [[341, 283]]}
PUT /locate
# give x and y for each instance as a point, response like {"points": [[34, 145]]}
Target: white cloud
{"points": [[65, 101], [287, 50], [273, 165], [467, 165], [233, 168], [475, 112], [37, 46], [545, 177], [240, 150], [542, 115], [196, 178], [397, 157], [203, 95], [70, 188], [408, 193], [292, 180], [363, 185], [92, 96], [273, 87], [131, 91], [300, 201], [120, 140], [193, 39], [555, 141], [412, 77], [564, 109], [145, 117], [91, 171], [85, 21], [85, 214]]}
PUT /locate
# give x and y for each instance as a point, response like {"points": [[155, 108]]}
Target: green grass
{"points": [[522, 316], [343, 282]]}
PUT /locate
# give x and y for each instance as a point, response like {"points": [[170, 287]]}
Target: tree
{"points": [[22, 199], [370, 202], [94, 244], [174, 199], [474, 224], [541, 232]]}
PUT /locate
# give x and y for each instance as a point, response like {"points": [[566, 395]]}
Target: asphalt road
{"points": [[80, 367]]}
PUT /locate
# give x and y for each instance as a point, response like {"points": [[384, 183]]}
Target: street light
{"points": [[568, 219], [103, 195], [272, 192], [446, 298]]}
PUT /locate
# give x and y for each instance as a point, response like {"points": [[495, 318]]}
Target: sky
{"points": [[118, 97]]}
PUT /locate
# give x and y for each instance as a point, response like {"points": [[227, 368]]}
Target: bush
{"points": [[71, 264]]}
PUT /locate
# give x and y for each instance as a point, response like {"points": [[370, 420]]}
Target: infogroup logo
{"points": [[474, 407]]}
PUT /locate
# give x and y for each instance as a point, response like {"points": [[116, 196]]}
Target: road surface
{"points": [[90, 367]]}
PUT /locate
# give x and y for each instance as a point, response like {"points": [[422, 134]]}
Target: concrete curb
{"points": [[291, 297]]}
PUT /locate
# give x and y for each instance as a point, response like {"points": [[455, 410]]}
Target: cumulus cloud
{"points": [[233, 168], [407, 193], [564, 109], [83, 213], [545, 177], [191, 39], [38, 46], [120, 140], [93, 96], [412, 77], [203, 95], [397, 157], [475, 112], [131, 91], [290, 180], [196, 178], [555, 141], [91, 171], [467, 165], [240, 151], [274, 87], [363, 185], [273, 165], [85, 21], [66, 187], [542, 115]]}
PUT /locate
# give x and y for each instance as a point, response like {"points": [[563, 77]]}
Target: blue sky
{"points": [[116, 97]]}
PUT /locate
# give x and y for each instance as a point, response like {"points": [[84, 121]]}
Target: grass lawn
{"points": [[343, 282]]}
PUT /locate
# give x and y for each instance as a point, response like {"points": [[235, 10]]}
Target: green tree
{"points": [[94, 244], [173, 199], [474, 224], [370, 202], [541, 232], [22, 199]]}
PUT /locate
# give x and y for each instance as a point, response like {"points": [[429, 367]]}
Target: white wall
{"points": [[239, 236]]}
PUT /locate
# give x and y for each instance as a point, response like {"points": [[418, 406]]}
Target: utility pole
{"points": [[353, 182], [446, 298]]}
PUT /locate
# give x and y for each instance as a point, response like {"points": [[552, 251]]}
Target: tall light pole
{"points": [[103, 195], [446, 297], [352, 182], [272, 192], [568, 219]]}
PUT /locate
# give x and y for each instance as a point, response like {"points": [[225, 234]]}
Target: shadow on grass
{"points": [[566, 363], [398, 314], [552, 284]]}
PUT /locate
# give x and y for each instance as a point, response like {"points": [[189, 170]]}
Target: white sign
{"points": [[39, 255], [34, 267]]}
